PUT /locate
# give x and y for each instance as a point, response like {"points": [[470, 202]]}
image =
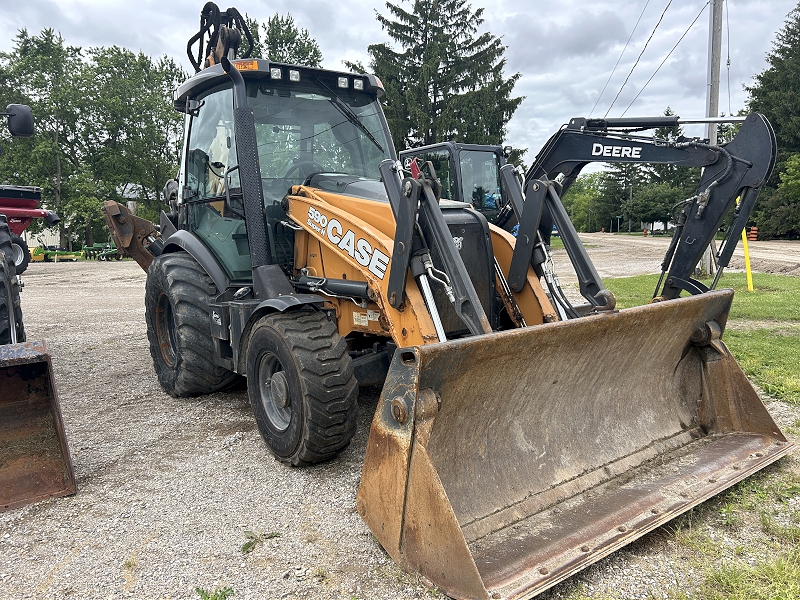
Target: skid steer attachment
{"points": [[499, 465], [34, 458]]}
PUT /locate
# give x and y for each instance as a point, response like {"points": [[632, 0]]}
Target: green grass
{"points": [[775, 579], [763, 333], [220, 593], [763, 330], [769, 357]]}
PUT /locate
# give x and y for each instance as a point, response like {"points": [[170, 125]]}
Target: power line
{"points": [[637, 60], [665, 58], [620, 58]]}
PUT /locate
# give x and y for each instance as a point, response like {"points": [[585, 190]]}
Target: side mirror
{"points": [[20, 120], [170, 192]]}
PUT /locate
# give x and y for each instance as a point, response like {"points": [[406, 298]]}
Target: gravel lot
{"points": [[168, 487]]}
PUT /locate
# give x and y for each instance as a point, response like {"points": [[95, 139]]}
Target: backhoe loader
{"points": [[514, 442], [34, 459]]}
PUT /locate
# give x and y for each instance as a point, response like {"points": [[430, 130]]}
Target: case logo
{"points": [[359, 249]]}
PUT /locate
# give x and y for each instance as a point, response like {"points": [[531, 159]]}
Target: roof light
{"points": [[358, 84], [246, 65], [275, 73], [294, 75], [343, 82]]}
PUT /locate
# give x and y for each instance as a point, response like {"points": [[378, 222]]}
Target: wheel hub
{"points": [[279, 389], [18, 254], [273, 389]]}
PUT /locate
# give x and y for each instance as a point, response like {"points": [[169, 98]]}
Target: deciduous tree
{"points": [[280, 40], [105, 127]]}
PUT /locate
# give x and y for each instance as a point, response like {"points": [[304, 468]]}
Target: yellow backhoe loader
{"points": [[519, 437]]}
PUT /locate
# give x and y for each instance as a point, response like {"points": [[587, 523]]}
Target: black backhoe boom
{"points": [[733, 175]]}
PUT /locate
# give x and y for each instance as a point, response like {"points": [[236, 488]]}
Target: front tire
{"points": [[22, 255], [177, 297], [9, 290], [301, 387]]}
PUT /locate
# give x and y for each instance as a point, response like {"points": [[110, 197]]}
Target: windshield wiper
{"points": [[349, 114]]}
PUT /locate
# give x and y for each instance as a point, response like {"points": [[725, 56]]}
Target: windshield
{"points": [[309, 129], [480, 179]]}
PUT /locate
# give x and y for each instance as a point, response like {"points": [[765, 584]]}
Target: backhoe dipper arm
{"points": [[752, 154]]}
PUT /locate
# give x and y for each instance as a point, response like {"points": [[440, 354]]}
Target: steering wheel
{"points": [[304, 169]]}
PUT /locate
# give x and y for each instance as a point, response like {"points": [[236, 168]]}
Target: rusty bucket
{"points": [[499, 465], [34, 458]]}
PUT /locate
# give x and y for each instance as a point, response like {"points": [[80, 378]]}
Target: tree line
{"points": [[105, 128]]}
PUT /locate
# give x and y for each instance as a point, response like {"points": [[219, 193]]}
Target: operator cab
{"points": [[467, 172], [312, 127]]}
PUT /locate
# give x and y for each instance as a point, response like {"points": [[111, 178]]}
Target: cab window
{"points": [[211, 148], [210, 152]]}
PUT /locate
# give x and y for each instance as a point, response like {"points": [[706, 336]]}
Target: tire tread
{"points": [[330, 389], [190, 291]]}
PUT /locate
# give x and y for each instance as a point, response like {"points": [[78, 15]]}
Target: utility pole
{"points": [[714, 54], [712, 100]]}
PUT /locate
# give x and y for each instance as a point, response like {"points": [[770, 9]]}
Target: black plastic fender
{"points": [[183, 240], [242, 324]]}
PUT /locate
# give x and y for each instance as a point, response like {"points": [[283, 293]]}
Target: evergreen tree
{"points": [[446, 81], [683, 179], [776, 94], [617, 187], [282, 41]]}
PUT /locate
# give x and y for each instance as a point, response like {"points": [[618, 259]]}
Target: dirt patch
{"points": [[626, 256]]}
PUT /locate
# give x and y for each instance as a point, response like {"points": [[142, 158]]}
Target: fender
{"points": [[183, 240], [242, 324]]}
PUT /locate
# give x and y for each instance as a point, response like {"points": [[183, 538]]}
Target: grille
{"points": [[476, 252]]}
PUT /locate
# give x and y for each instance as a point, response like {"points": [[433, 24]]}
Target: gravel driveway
{"points": [[168, 487]]}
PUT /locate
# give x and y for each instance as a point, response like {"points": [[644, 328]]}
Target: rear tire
{"points": [[301, 387], [177, 297], [9, 290], [22, 255]]}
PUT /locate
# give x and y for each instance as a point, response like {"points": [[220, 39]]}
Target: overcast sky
{"points": [[565, 50]]}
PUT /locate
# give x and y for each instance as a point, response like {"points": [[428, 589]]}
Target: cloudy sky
{"points": [[565, 50]]}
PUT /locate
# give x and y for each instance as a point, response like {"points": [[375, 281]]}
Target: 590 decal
{"points": [[359, 249]]}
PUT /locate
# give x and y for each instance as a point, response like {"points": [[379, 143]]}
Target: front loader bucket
{"points": [[499, 465], [34, 458]]}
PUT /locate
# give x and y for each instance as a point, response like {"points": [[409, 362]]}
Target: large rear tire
{"points": [[22, 255], [177, 297], [301, 387], [9, 290]]}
